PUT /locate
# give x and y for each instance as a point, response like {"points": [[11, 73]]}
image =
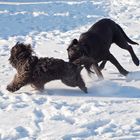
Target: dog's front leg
{"points": [[17, 83]]}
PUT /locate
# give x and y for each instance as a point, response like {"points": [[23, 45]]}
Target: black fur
{"points": [[97, 41]]}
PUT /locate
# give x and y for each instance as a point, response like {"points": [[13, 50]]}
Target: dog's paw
{"points": [[84, 89], [11, 88], [136, 61]]}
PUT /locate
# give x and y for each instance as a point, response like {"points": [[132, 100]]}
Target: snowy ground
{"points": [[111, 109]]}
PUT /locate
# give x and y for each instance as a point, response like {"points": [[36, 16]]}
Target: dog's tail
{"points": [[126, 37]]}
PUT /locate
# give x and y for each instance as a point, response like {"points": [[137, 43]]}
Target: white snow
{"points": [[110, 110]]}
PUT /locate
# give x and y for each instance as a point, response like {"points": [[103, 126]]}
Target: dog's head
{"points": [[20, 52], [75, 50]]}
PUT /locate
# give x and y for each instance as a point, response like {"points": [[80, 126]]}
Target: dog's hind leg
{"points": [[133, 55], [122, 43], [129, 48], [114, 61]]}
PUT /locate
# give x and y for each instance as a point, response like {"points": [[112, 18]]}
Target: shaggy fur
{"points": [[96, 42], [38, 71]]}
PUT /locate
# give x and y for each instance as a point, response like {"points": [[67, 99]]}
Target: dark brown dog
{"points": [[38, 71], [96, 42]]}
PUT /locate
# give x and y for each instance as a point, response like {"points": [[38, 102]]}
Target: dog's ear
{"points": [[17, 43], [73, 42]]}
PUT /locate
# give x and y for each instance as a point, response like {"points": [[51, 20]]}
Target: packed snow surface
{"points": [[110, 110]]}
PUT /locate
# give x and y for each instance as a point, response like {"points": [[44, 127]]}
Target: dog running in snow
{"points": [[96, 42], [38, 71]]}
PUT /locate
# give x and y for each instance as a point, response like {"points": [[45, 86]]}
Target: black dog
{"points": [[38, 71], [96, 42]]}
